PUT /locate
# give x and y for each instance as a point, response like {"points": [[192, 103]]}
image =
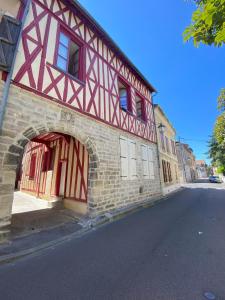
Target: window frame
{"points": [[129, 159], [32, 168], [128, 88], [167, 145], [149, 162], [72, 37], [143, 107]]}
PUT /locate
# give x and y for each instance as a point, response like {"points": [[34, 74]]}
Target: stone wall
{"points": [[28, 115]]}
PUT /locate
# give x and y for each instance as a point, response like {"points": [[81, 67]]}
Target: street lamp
{"points": [[161, 128]]}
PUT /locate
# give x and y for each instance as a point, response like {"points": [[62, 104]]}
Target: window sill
{"points": [[81, 82], [131, 114]]}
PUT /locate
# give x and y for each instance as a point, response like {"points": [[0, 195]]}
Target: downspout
{"points": [[9, 76], [158, 158]]}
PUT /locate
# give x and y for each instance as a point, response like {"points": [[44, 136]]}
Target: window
{"points": [[32, 165], [175, 166], [124, 96], [162, 140], [167, 145], [68, 56], [173, 147], [147, 162], [167, 175], [45, 162], [164, 168], [128, 159], [52, 159], [139, 107], [169, 172]]}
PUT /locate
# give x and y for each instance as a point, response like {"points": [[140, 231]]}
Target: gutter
{"points": [[9, 76]]}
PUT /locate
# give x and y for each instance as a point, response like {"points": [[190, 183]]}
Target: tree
{"points": [[221, 100], [219, 129], [217, 154], [208, 23]]}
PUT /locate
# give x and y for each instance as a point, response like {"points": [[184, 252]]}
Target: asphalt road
{"points": [[174, 250]]}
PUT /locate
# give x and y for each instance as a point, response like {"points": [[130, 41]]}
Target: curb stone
{"points": [[87, 226]]}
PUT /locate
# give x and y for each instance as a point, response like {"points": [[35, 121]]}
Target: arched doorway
{"points": [[11, 158], [54, 168]]}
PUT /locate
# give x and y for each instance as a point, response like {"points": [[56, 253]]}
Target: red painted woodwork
{"points": [[37, 160], [96, 94], [32, 166]]}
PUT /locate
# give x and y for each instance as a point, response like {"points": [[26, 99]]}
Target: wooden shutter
{"points": [[124, 158], [151, 163], [145, 165], [132, 162], [164, 170], [9, 33]]}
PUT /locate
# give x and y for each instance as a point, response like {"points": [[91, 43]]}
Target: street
{"points": [[174, 250]]}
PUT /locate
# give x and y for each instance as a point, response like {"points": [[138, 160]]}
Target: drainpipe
{"points": [[9, 76], [158, 158]]}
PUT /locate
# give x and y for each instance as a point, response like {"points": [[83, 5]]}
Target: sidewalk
{"points": [[49, 227], [36, 230]]}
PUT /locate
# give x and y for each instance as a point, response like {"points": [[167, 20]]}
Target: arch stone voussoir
{"points": [[14, 150]]}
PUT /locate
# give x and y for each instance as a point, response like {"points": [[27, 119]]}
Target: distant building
{"points": [[187, 164], [201, 169], [169, 171]]}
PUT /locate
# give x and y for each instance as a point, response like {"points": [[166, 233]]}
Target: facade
{"points": [[187, 164], [166, 134], [78, 125], [201, 169]]}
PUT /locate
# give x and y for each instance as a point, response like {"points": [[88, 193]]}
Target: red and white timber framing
{"points": [[97, 95], [51, 152]]}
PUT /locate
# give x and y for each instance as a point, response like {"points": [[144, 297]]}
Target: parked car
{"points": [[215, 179]]}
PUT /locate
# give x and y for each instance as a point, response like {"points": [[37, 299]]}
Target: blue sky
{"points": [[188, 79]]}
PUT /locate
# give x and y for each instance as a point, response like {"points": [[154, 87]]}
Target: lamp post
{"points": [[161, 127]]}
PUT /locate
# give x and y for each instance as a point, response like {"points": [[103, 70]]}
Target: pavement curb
{"points": [[87, 227]]}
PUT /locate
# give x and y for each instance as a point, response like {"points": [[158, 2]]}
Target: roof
{"points": [[105, 36], [200, 162]]}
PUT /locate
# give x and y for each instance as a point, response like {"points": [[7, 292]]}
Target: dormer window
{"points": [[69, 56], [123, 95]]}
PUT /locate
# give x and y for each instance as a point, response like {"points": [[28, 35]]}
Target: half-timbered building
{"points": [[78, 117]]}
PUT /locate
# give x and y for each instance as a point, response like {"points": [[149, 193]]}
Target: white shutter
{"points": [[124, 158], [145, 165], [132, 159], [151, 163]]}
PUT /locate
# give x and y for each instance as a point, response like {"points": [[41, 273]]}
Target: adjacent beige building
{"points": [[187, 164], [166, 133]]}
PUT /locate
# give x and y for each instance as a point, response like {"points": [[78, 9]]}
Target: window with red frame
{"points": [[32, 165], [52, 159], [123, 95], [140, 107], [69, 56], [45, 162]]}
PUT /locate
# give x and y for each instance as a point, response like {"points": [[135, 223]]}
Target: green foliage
{"points": [[207, 24], [221, 100], [219, 129], [216, 153], [221, 170]]}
